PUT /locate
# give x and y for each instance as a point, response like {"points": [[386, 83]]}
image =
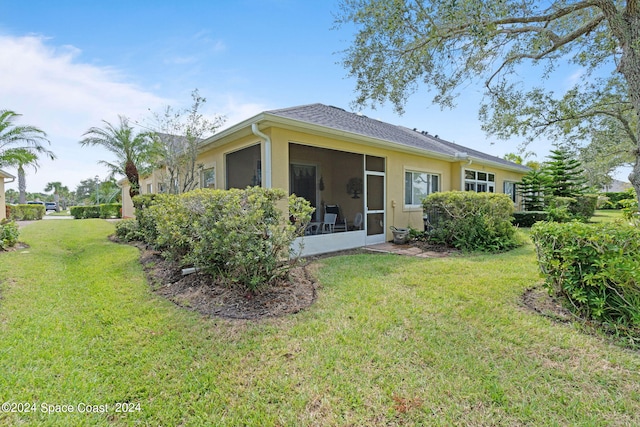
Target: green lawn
{"points": [[607, 215], [391, 341]]}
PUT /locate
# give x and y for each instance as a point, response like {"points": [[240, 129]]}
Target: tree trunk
{"points": [[22, 185], [133, 177], [629, 66]]}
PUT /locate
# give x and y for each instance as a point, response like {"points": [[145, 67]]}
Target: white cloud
{"points": [[57, 92]]}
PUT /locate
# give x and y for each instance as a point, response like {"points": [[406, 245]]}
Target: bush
{"points": [[528, 218], [26, 212], [614, 198], [239, 235], [146, 223], [84, 212], [558, 209], [471, 221], [593, 268], [584, 207], [127, 230], [111, 210], [9, 234]]}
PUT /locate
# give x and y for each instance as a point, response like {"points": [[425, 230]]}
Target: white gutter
{"points": [[267, 154], [462, 156]]}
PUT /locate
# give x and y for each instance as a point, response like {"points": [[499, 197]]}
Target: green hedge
{"points": [[593, 268], [111, 210], [528, 218], [26, 212], [240, 236], [107, 210], [614, 198], [584, 207], [9, 234], [471, 221]]}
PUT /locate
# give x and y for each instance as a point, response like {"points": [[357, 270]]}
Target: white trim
{"points": [[324, 243]]}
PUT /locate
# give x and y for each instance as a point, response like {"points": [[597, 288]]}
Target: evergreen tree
{"points": [[534, 187], [566, 176]]}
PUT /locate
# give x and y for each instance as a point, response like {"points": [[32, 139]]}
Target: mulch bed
{"points": [[209, 296]]}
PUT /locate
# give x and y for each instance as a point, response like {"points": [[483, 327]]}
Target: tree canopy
{"points": [[13, 136], [446, 45], [133, 150], [178, 134]]}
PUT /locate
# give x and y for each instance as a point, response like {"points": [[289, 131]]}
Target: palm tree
{"points": [[58, 190], [20, 157], [133, 150], [27, 137]]}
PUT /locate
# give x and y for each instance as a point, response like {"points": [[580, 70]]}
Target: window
{"points": [[149, 188], [480, 182], [418, 185], [510, 190], [208, 178]]}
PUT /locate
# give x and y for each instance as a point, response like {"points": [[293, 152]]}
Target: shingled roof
{"points": [[339, 119]]}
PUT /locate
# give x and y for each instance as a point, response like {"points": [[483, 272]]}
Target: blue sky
{"points": [[68, 64]]}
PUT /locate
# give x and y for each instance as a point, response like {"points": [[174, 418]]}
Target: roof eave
{"points": [[268, 119], [4, 174]]}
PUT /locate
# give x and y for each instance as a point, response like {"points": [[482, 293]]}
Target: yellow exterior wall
{"points": [[337, 170]]}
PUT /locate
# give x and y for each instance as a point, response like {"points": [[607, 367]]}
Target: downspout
{"points": [[267, 154], [463, 156], [9, 182]]}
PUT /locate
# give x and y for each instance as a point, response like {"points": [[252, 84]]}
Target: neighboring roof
{"points": [[361, 127], [4, 174]]}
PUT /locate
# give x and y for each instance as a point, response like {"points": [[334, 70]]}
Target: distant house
{"points": [[372, 174], [616, 186], [3, 177]]}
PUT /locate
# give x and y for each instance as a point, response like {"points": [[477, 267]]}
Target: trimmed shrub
{"points": [[127, 230], [84, 212], [528, 218], [111, 210], [558, 209], [584, 206], [238, 235], [9, 234], [26, 212], [593, 268], [472, 221], [146, 222], [614, 198]]}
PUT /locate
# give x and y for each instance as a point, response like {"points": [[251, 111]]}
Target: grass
{"points": [[607, 215], [391, 341]]}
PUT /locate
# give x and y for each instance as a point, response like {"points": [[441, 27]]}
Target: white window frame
{"points": [[513, 192], [430, 189], [479, 184], [211, 169]]}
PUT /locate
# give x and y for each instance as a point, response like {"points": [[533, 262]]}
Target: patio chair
{"points": [[341, 222], [329, 223], [357, 221]]}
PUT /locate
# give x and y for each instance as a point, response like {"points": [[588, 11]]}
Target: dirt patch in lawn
{"points": [[209, 296], [539, 300]]}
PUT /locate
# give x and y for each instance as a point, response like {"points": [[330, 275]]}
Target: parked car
{"points": [[50, 206]]}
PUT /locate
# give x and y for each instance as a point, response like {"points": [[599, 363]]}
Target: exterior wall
{"points": [[396, 165], [336, 169], [3, 201]]}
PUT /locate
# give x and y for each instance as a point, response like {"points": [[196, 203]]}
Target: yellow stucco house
{"points": [[373, 174], [4, 176]]}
